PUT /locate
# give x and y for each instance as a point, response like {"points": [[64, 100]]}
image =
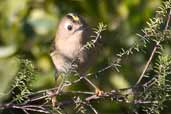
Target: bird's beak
{"points": [[79, 29]]}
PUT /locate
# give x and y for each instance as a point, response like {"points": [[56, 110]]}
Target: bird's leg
{"points": [[61, 84], [97, 90], [55, 92], [52, 93]]}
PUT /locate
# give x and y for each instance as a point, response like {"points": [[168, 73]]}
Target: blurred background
{"points": [[27, 28]]}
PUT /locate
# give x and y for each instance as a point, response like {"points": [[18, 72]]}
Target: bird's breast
{"points": [[61, 63], [70, 47]]}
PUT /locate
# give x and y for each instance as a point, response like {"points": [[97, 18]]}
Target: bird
{"points": [[72, 35]]}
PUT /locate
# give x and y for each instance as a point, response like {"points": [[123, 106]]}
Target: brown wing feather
{"points": [[52, 47]]}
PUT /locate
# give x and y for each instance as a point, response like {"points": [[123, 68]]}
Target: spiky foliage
{"points": [[100, 28], [90, 44], [23, 78], [157, 90]]}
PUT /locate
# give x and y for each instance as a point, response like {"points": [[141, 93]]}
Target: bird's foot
{"points": [[52, 98], [53, 101], [98, 92]]}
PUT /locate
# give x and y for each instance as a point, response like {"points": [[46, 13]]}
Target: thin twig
{"points": [[93, 109], [148, 62], [168, 20], [25, 111], [25, 108], [154, 51]]}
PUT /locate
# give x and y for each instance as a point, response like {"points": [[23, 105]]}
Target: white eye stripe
{"points": [[66, 25]]}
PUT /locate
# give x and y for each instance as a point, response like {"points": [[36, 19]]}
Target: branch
{"points": [[168, 20], [120, 95], [148, 62], [25, 108], [154, 50]]}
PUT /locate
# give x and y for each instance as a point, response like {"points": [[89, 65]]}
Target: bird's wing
{"points": [[52, 47]]}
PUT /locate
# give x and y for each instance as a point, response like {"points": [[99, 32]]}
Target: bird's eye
{"points": [[69, 27]]}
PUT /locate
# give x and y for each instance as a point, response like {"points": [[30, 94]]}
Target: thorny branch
{"points": [[120, 95], [154, 51]]}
